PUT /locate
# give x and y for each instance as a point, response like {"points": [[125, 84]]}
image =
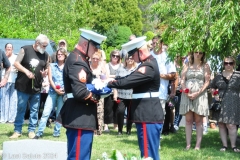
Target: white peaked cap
{"points": [[136, 43], [92, 36]]}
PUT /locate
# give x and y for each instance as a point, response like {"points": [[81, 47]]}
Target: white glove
{"points": [[99, 84]]}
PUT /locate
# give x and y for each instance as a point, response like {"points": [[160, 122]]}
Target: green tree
{"points": [[57, 19], [118, 35], [117, 12], [123, 35], [149, 35], [207, 25], [111, 36], [145, 6]]}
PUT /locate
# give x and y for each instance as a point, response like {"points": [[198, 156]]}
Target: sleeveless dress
{"points": [[194, 81]]}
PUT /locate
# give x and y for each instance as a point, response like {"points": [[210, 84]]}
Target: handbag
{"points": [[216, 105]]}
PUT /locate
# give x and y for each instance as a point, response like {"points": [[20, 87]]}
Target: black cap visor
{"points": [[130, 53], [97, 45]]}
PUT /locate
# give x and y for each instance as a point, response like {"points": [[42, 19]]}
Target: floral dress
{"points": [[230, 106], [100, 70], [195, 81]]}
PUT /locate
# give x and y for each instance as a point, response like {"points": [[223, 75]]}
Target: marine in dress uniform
{"points": [[146, 110], [79, 113]]}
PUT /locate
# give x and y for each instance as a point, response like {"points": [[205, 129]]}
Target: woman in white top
{"points": [[124, 96], [110, 105], [8, 100]]}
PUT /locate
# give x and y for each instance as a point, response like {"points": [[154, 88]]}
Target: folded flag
{"points": [[103, 91]]}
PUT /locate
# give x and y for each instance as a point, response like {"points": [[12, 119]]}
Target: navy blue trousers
{"points": [[149, 139], [79, 144]]}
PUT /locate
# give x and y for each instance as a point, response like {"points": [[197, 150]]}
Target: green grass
{"points": [[172, 146]]}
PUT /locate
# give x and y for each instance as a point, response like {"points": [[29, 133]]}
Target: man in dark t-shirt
{"points": [[31, 63]]}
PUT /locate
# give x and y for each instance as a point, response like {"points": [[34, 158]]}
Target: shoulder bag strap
{"points": [[226, 88]]}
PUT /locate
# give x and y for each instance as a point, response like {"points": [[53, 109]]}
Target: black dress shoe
{"points": [[165, 133], [128, 132], [49, 124], [37, 137], [172, 129]]}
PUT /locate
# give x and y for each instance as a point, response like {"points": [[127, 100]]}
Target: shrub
{"points": [[149, 35]]}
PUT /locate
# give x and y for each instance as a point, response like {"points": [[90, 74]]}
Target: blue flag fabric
{"points": [[103, 91]]}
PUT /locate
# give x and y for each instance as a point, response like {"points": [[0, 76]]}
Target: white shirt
{"points": [[13, 72], [165, 67]]}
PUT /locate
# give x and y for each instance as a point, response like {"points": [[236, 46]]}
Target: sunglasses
{"points": [[60, 54], [115, 56], [228, 63], [129, 59]]}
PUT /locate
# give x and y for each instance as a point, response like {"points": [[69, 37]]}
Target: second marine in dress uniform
{"points": [[146, 110], [79, 113]]}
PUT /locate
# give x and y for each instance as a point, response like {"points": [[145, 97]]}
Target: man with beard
{"points": [[31, 63]]}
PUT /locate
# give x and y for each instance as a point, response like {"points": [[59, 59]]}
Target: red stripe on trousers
{"points": [[78, 144], [145, 143]]}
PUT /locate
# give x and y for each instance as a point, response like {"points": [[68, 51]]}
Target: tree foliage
{"points": [[118, 35], [149, 35], [62, 19], [207, 25], [145, 7], [117, 12], [31, 17]]}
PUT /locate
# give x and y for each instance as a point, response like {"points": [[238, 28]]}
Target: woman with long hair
{"points": [[194, 101]]}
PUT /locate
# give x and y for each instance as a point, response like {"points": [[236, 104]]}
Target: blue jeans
{"points": [[53, 100], [23, 99]]}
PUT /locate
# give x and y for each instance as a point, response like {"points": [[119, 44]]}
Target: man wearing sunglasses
{"points": [[146, 110], [28, 83], [79, 112]]}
